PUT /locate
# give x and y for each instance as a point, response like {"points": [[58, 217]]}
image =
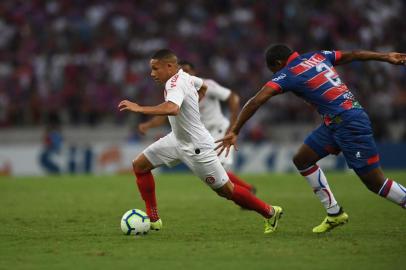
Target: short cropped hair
{"points": [[277, 52], [164, 54], [186, 63]]}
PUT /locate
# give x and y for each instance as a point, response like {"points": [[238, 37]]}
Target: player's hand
{"points": [[397, 58], [126, 105], [225, 143], [143, 128]]}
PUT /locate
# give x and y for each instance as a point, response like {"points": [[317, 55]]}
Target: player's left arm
{"points": [[165, 108], [156, 121], [391, 57]]}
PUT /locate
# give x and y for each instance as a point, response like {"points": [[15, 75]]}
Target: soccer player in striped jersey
{"points": [[346, 127]]}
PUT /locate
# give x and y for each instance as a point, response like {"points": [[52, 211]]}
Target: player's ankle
{"points": [[335, 213], [153, 214], [271, 211]]}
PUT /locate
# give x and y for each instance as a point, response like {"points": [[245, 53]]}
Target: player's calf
{"points": [[244, 198], [384, 187]]}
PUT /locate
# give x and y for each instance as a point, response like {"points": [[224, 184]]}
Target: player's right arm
{"points": [[246, 113], [156, 121], [233, 102], [392, 57], [252, 106]]}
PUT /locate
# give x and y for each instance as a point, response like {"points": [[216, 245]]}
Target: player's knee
{"points": [[299, 161], [138, 167], [225, 192]]}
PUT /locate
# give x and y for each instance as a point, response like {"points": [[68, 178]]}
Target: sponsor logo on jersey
{"points": [[280, 77]]}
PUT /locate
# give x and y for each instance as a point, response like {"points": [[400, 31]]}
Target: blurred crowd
{"points": [[70, 62]]}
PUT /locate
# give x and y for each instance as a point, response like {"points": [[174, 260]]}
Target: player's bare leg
{"points": [[244, 198], [376, 182], [305, 157], [305, 161], [146, 185]]}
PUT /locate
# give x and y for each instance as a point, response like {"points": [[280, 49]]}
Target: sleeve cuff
{"points": [[177, 101], [338, 55], [274, 86]]}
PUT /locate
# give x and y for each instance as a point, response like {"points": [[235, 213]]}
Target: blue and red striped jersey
{"points": [[312, 77]]}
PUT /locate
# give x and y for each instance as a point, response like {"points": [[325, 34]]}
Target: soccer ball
{"points": [[135, 221]]}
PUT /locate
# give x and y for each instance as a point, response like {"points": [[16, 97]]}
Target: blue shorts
{"points": [[352, 135]]}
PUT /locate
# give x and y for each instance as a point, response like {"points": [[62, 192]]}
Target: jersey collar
{"points": [[292, 57]]}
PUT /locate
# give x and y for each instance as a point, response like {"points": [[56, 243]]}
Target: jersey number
{"points": [[330, 74]]}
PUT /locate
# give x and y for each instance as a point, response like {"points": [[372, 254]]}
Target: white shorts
{"points": [[204, 163], [219, 133]]}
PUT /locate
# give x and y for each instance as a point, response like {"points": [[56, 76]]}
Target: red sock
{"points": [[238, 181], [146, 186], [244, 198]]}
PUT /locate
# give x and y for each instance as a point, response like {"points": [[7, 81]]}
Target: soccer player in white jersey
{"points": [[189, 142], [212, 117]]}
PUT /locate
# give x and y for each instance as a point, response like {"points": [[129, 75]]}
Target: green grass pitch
{"points": [[72, 222]]}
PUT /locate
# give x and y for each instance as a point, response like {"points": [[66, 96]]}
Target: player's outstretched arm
{"points": [[392, 57], [233, 103], [156, 121], [246, 113], [252, 106], [165, 108]]}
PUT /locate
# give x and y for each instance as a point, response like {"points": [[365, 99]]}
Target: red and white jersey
{"points": [[182, 89], [210, 107]]}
